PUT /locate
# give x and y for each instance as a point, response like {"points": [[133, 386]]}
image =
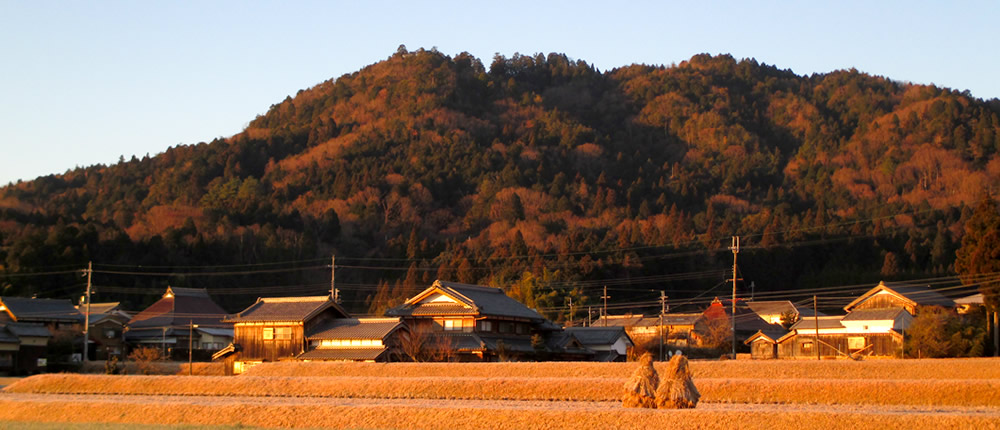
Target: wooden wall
{"points": [[250, 337], [877, 344]]}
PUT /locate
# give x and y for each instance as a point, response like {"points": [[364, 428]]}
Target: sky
{"points": [[85, 83]]}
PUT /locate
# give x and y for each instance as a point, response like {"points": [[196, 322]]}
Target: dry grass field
{"points": [[961, 393]]}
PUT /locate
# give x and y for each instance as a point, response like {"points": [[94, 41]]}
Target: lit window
{"points": [[452, 325], [854, 343], [268, 333], [807, 347]]}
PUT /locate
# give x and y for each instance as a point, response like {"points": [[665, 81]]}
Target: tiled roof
{"points": [[26, 309], [216, 331], [180, 307], [874, 314], [285, 309], [975, 299], [618, 320], [28, 330], [921, 295], [809, 323], [776, 307], [681, 319], [356, 328], [343, 354], [6, 336], [597, 335], [487, 301]]}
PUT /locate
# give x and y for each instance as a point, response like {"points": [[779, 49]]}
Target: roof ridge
{"points": [[294, 299]]}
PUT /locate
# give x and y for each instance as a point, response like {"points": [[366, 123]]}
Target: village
{"points": [[447, 322]]}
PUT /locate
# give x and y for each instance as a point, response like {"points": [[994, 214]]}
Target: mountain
{"points": [[540, 174]]}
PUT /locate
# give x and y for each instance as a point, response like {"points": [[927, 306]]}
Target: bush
{"points": [[145, 359]]}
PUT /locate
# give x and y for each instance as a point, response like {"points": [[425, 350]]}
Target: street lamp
{"points": [[191, 327]]}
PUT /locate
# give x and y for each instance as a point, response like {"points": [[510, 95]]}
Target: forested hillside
{"points": [[539, 174]]}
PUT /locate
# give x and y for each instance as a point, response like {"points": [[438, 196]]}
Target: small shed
{"points": [[764, 343]]}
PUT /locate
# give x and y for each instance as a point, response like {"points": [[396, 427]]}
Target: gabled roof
{"points": [[24, 309], [629, 321], [886, 314], [566, 342], [915, 294], [102, 311], [618, 321], [599, 335], [356, 328], [465, 299], [770, 335], [298, 309], [180, 307], [809, 323]]}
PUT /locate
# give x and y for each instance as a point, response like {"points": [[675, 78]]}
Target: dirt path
{"points": [[581, 406]]}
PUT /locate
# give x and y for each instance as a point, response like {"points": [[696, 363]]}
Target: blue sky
{"points": [[83, 83]]}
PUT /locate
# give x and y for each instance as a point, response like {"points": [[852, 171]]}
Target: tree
{"points": [[979, 254]]}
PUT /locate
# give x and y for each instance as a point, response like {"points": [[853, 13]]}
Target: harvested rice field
{"points": [[954, 393]]}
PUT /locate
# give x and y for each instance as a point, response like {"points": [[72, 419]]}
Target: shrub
{"points": [[145, 359]]}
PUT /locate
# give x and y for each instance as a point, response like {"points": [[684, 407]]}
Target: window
{"points": [[452, 325], [854, 343], [520, 328], [110, 334], [486, 326], [282, 333], [807, 347], [268, 333]]}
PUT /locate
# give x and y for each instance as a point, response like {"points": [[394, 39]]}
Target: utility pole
{"points": [[736, 250], [605, 297], [570, 311], [334, 293], [816, 319], [86, 314], [663, 310], [191, 326]]}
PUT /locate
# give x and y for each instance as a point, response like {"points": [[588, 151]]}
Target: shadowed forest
{"points": [[538, 174]]}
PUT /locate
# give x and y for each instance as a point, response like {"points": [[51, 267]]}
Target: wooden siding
{"points": [[250, 337], [763, 350], [885, 301], [876, 344]]}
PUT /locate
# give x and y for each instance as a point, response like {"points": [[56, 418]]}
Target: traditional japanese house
{"points": [[9, 345], [277, 328], [679, 329], [107, 329], [478, 323], [908, 297], [608, 343], [170, 322]]}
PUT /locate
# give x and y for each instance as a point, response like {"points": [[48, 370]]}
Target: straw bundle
{"points": [[677, 391], [640, 390]]}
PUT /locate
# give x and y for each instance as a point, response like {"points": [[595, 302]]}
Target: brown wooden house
{"points": [[274, 329], [478, 323], [874, 325]]}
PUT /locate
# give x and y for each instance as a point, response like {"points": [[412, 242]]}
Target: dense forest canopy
{"points": [[540, 174]]}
